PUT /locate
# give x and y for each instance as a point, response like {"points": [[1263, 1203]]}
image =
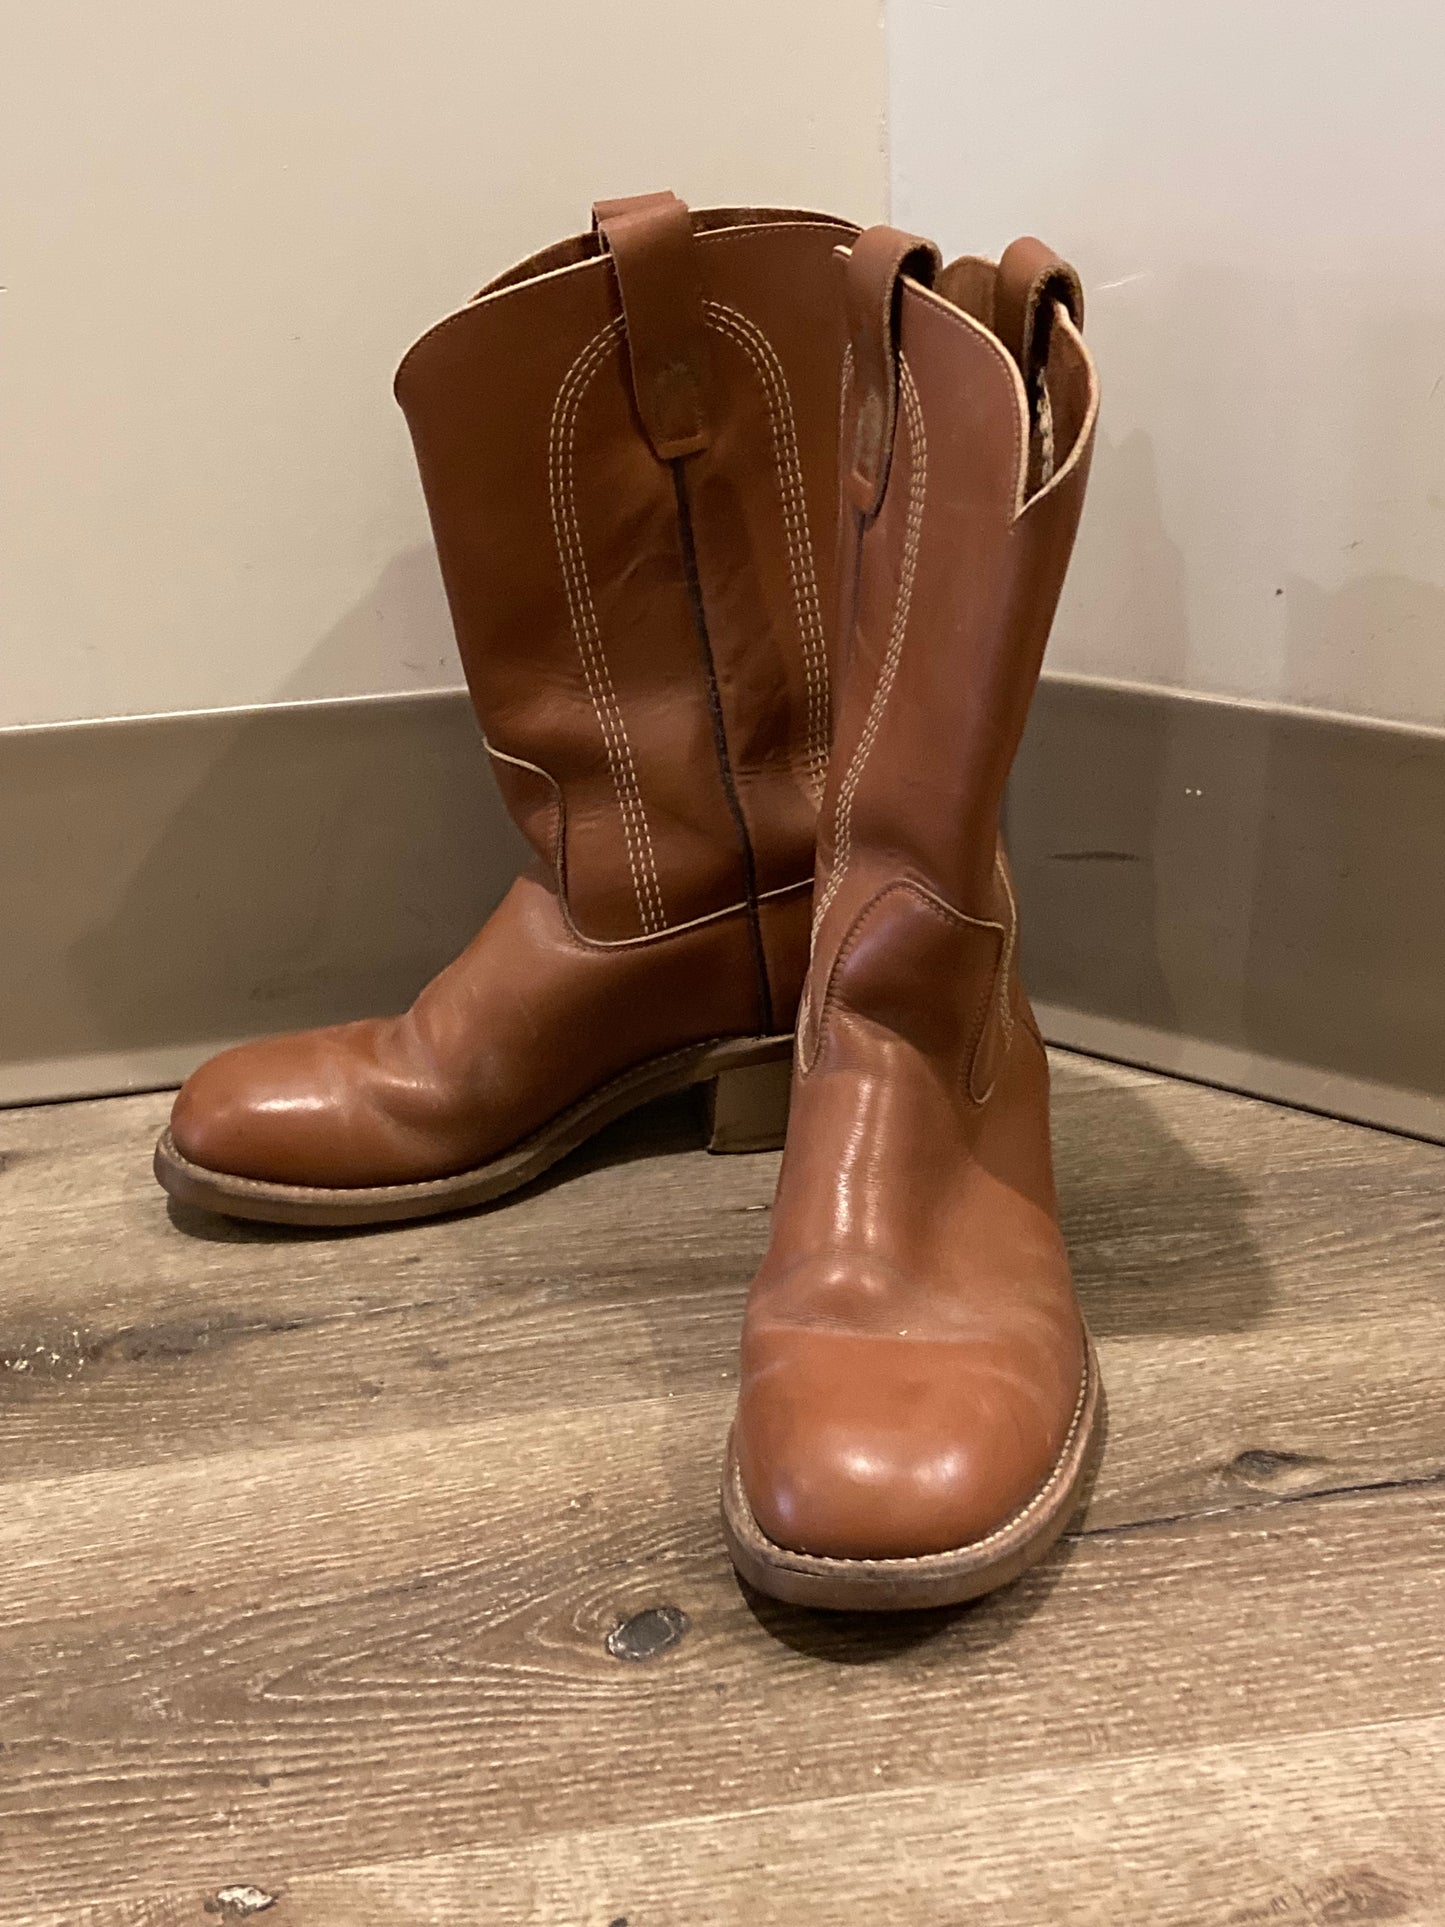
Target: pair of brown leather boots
{"points": [[762, 773]]}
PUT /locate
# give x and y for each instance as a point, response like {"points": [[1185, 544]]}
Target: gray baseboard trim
{"points": [[1247, 896], [169, 885], [1201, 1061]]}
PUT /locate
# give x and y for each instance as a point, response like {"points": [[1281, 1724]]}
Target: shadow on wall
{"points": [[1077, 824], [1343, 967], [1252, 877], [230, 874]]}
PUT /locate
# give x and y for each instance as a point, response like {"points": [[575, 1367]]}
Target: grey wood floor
{"points": [[311, 1547]]}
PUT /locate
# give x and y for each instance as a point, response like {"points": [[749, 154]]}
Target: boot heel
{"points": [[747, 1109]]}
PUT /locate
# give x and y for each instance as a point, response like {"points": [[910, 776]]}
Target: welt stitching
{"points": [[658, 914], [584, 622], [917, 489], [760, 351]]}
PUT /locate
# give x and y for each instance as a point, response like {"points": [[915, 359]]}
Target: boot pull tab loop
{"points": [[1031, 278], [650, 240], [873, 271]]}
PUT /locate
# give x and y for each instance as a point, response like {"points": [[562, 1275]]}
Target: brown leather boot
{"points": [[918, 1394], [628, 445]]}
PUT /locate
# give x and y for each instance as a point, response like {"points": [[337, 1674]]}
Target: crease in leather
{"points": [[558, 866], [873, 272], [989, 1006]]}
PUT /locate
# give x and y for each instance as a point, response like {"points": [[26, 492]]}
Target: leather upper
{"points": [[913, 1355], [628, 446], [523, 1024], [556, 521]]}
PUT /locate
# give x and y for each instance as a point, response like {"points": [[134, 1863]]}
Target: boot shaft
{"points": [[967, 429], [627, 445]]}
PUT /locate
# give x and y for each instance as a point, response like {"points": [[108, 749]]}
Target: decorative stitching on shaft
{"points": [[1005, 968], [741, 329], [641, 861], [848, 789]]}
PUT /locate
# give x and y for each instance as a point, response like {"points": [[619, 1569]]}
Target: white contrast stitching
{"points": [[1006, 1016], [654, 915], [750, 338], [640, 858], [573, 386], [917, 487], [559, 864]]}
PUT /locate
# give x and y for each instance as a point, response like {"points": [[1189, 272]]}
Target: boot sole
{"points": [[747, 1111], [935, 1579]]}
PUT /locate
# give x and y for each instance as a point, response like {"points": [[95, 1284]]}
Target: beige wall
{"points": [[1256, 197], [223, 223]]}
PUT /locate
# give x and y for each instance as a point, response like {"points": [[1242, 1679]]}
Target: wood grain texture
{"points": [[1298, 1831], [311, 1545]]}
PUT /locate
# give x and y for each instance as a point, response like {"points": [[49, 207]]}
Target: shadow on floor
{"points": [[979, 1625], [660, 1129], [1159, 1236]]}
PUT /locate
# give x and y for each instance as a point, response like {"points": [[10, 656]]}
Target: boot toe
{"points": [[286, 1110], [859, 1447]]}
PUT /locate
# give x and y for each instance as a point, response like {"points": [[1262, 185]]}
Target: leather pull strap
{"points": [[872, 274], [650, 240], [1031, 278]]}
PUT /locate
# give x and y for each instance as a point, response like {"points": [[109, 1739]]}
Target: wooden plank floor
{"points": [[310, 1548]]}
